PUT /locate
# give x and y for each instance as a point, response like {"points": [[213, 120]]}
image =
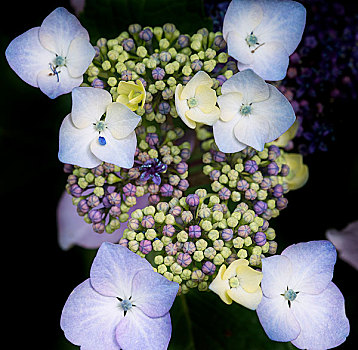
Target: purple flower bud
{"points": [[184, 259], [186, 79], [285, 170], [168, 230], [108, 167], [153, 199], [165, 56], [260, 238], [273, 152], [128, 44], [164, 107], [264, 226], [171, 249], [242, 185], [208, 268], [181, 167], [227, 234], [281, 203], [224, 194], [93, 201], [75, 190], [106, 203], [175, 211], [123, 242], [95, 215], [153, 188], [114, 198], [251, 166], [148, 221], [221, 78], [260, 207], [114, 211], [219, 156], [177, 193], [272, 168], [189, 247], [134, 28], [278, 191], [158, 73], [98, 170], [185, 153], [250, 194], [126, 75], [183, 184], [145, 246], [129, 190], [183, 41], [166, 190], [272, 247], [148, 108], [98, 227], [220, 42], [82, 206], [98, 83], [72, 179], [192, 200], [196, 65], [152, 139], [266, 183], [214, 175], [146, 34], [243, 231], [194, 231]]}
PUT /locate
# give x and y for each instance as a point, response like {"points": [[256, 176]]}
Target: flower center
{"points": [[251, 39], [59, 61], [151, 170], [245, 109], [126, 304], [234, 282], [100, 126], [290, 295], [192, 102]]}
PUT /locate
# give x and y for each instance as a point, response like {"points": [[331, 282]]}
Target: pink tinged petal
{"points": [[242, 16], [276, 275], [74, 145], [277, 319], [113, 270], [73, 230], [119, 152], [27, 57], [89, 319], [268, 120], [230, 104], [121, 121], [88, 105], [54, 85], [271, 61], [80, 55], [238, 47], [346, 242], [138, 331], [283, 21], [225, 138], [153, 293], [312, 265], [252, 87], [58, 29], [322, 318]]}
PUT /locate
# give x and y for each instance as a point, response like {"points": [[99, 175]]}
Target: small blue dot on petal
{"points": [[102, 140]]}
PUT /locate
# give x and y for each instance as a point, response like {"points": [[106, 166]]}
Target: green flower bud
{"points": [[187, 70], [139, 236], [218, 216], [263, 154], [98, 191], [159, 217], [261, 195], [120, 67], [137, 214], [218, 259], [201, 244], [169, 260], [201, 192], [242, 254], [131, 201], [239, 167], [228, 74], [214, 200], [192, 284], [106, 65], [235, 196], [223, 57], [149, 210], [182, 236], [198, 255], [222, 224], [177, 279], [271, 203], [213, 235], [176, 269], [232, 222], [225, 252], [169, 219], [164, 44], [248, 216], [133, 246], [131, 235], [99, 181], [255, 260], [166, 240], [216, 186], [158, 260], [209, 253], [141, 51], [168, 275], [209, 65], [254, 227], [171, 80], [210, 53], [157, 245], [186, 274], [270, 233], [238, 242], [223, 179], [196, 45], [150, 234], [247, 241], [265, 248], [206, 225], [82, 182], [162, 269], [204, 213]]}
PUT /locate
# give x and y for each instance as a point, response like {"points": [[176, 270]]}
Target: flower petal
{"points": [[138, 331], [206, 98], [241, 296], [271, 61], [153, 293], [220, 286], [74, 145], [322, 318], [182, 107], [90, 319], [283, 21], [312, 265], [252, 87], [113, 270], [79, 57], [268, 120], [88, 105], [249, 278], [276, 275], [121, 121], [119, 152], [238, 47], [230, 104], [225, 138], [58, 29], [231, 271], [197, 115], [200, 78], [277, 319], [54, 85], [27, 57]]}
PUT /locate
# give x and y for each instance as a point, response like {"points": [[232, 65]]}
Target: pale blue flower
{"points": [[54, 56], [123, 305], [300, 302]]}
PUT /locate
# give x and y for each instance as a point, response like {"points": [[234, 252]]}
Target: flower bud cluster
{"points": [[103, 195], [188, 239], [161, 57]]}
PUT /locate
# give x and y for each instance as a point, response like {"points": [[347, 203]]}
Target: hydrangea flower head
{"points": [[262, 34], [87, 139], [196, 101], [300, 302], [54, 56], [238, 282], [252, 113], [123, 305]]}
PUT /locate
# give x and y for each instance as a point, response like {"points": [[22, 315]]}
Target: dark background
{"points": [[38, 276]]}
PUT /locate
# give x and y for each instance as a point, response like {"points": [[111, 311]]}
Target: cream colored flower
{"points": [[298, 175], [131, 94], [196, 101], [240, 283]]}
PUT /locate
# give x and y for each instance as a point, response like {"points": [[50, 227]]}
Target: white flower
{"points": [[262, 34], [196, 101], [52, 57], [252, 113], [87, 139]]}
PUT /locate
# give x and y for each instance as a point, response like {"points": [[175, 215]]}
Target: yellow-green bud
{"points": [[206, 225], [150, 210], [182, 236], [271, 203], [157, 245], [141, 51], [242, 254], [225, 252], [168, 275], [209, 65], [254, 227], [232, 221], [186, 274], [270, 233], [218, 259], [162, 269], [247, 241], [169, 260], [187, 70], [98, 191], [218, 215], [256, 250], [213, 235], [238, 242], [198, 255], [176, 269], [210, 53], [228, 74], [133, 246], [201, 244], [255, 260], [139, 236], [106, 65], [150, 234], [265, 248], [99, 181], [120, 67], [202, 286], [164, 44], [166, 240], [158, 260], [222, 57]]}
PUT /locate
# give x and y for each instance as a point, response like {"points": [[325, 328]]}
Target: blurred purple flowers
{"points": [[123, 305]]}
